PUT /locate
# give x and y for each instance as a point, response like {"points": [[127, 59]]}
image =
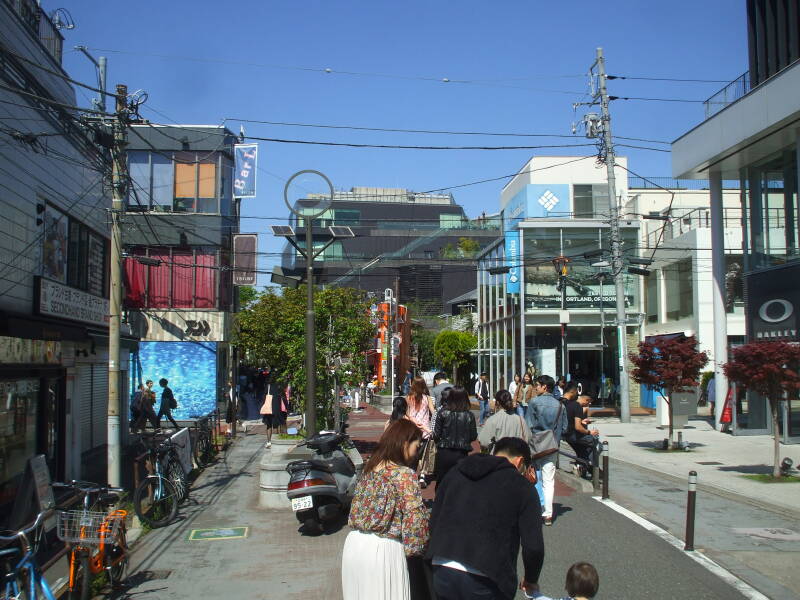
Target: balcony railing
{"points": [[689, 219], [40, 25], [727, 95]]}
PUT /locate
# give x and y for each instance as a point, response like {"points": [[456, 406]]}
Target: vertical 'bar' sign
{"points": [[244, 175]]}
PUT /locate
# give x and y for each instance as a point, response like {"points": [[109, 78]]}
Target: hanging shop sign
{"points": [[56, 300], [512, 260], [245, 249], [244, 176]]}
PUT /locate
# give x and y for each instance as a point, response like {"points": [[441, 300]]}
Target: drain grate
{"points": [[670, 490], [614, 435], [708, 462]]}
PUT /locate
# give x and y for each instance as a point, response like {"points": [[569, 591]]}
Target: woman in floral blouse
{"points": [[388, 520]]}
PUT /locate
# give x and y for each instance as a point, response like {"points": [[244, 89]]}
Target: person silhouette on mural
{"points": [[168, 403]]}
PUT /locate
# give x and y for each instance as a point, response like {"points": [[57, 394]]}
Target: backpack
{"points": [[173, 403]]}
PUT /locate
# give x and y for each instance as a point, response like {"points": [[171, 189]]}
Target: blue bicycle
{"points": [[23, 577]]}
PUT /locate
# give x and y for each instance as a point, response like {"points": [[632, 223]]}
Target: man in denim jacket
{"points": [[545, 412]]}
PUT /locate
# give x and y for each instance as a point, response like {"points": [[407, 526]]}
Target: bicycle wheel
{"points": [[202, 452], [174, 472], [156, 501], [81, 578], [117, 557]]}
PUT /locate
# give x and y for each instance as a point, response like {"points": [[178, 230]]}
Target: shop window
{"points": [[590, 201], [18, 434]]}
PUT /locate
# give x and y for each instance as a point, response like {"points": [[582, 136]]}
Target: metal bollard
{"points": [[598, 450], [605, 470], [690, 510]]}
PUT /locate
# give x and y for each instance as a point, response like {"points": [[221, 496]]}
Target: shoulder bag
{"points": [[544, 443], [266, 408]]}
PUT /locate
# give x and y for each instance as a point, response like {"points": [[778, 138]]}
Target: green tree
{"points": [[247, 295], [271, 331], [452, 348], [468, 247], [424, 340]]}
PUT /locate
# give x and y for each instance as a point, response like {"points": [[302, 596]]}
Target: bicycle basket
{"points": [[87, 527]]}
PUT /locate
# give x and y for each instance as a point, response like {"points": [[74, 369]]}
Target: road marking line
{"points": [[744, 588]]}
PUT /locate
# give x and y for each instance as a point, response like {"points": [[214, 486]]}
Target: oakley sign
{"points": [[773, 302]]}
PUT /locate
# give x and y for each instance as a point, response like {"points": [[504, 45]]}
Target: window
{"points": [[652, 297], [195, 183], [590, 201], [679, 290], [179, 182], [184, 279], [347, 218], [87, 259], [449, 221]]}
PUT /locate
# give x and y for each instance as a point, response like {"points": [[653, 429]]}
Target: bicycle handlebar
{"points": [[25, 531], [86, 487]]}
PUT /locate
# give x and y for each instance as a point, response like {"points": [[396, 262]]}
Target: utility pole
{"points": [[118, 188], [311, 338], [617, 266], [388, 296]]}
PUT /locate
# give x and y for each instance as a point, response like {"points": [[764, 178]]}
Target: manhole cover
{"points": [[218, 533], [708, 462]]}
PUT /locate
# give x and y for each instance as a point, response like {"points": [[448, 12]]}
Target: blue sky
{"points": [[519, 57]]}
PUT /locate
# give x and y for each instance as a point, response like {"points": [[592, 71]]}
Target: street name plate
{"points": [[218, 533]]}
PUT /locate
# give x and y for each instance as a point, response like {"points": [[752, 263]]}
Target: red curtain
{"points": [[182, 277], [135, 283], [158, 288], [205, 281]]}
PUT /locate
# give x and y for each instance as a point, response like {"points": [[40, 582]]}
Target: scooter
{"points": [[321, 488]]}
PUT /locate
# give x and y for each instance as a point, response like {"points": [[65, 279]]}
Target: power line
{"points": [[655, 99], [422, 131], [669, 79], [17, 90], [52, 72], [642, 148]]}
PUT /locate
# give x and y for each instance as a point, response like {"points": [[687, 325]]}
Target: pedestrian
{"points": [[578, 435], [388, 520], [440, 384], [545, 412], [711, 394], [582, 583], [146, 411], [407, 382], [454, 430], [482, 394], [273, 410], [420, 406], [505, 422], [399, 411], [527, 392], [483, 512], [514, 390], [136, 408], [561, 385], [168, 403]]}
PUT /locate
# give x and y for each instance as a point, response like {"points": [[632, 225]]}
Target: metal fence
{"points": [[727, 95]]}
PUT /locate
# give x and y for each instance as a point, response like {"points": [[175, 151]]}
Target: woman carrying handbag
{"points": [[273, 411]]}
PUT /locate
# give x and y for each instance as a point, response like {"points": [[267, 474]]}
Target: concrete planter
{"points": [[273, 478]]}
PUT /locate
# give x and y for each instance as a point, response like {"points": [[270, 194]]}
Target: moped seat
{"points": [[319, 465]]}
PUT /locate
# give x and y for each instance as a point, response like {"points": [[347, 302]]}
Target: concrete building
{"points": [[178, 280], [555, 206], [751, 134], [54, 247], [420, 245]]}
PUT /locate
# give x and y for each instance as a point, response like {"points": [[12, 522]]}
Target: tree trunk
{"points": [[776, 439]]}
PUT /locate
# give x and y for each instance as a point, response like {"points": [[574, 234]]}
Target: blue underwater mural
{"points": [[190, 368]]}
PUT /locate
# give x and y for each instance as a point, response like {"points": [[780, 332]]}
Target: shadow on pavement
{"points": [[748, 469]]}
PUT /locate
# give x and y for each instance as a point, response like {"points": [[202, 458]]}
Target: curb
{"points": [[576, 483], [763, 503]]}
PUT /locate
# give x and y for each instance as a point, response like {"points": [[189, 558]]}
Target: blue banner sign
{"points": [[244, 174], [513, 259]]}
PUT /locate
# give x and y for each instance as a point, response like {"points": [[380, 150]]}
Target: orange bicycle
{"points": [[96, 539]]}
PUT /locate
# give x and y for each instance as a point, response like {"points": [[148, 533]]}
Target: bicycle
{"points": [[204, 445], [96, 539], [23, 577], [157, 496]]}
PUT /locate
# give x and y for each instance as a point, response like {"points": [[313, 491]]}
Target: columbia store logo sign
{"points": [[548, 200]]}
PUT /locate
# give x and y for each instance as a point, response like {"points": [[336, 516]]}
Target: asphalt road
{"points": [[631, 562]]}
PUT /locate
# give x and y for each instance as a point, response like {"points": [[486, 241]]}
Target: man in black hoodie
{"points": [[484, 510]]}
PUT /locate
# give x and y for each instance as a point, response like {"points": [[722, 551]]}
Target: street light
{"points": [[316, 208], [560, 263]]}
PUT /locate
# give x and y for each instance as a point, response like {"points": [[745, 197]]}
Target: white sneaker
{"points": [[268, 445]]}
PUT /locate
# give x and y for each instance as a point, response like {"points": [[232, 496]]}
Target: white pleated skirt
{"points": [[374, 568]]}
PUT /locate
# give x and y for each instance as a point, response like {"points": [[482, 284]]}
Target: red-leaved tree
{"points": [[669, 365], [770, 369]]}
